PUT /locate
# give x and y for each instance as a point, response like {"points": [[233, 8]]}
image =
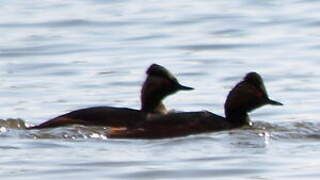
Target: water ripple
{"points": [[66, 23], [210, 44], [204, 18], [205, 47], [43, 50], [189, 173]]}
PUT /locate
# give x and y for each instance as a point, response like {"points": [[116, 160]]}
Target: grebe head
{"points": [[248, 95], [158, 84]]}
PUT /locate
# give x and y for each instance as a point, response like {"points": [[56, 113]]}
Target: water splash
{"points": [[266, 132], [12, 123]]}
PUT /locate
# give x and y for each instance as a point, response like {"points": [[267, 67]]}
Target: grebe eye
{"points": [[167, 82], [259, 94]]}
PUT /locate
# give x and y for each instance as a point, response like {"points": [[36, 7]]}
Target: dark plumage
{"points": [[246, 96], [159, 84]]}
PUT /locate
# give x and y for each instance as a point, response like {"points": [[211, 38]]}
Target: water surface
{"points": [[57, 56]]}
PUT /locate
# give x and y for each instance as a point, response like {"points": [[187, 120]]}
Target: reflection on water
{"points": [[58, 56]]}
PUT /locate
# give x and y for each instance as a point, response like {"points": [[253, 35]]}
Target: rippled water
{"points": [[57, 56]]}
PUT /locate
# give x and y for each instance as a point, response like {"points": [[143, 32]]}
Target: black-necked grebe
{"points": [[159, 84], [246, 96]]}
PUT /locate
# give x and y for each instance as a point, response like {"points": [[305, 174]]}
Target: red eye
{"points": [[167, 82], [259, 94]]}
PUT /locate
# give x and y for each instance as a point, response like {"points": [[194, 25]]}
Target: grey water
{"points": [[58, 56]]}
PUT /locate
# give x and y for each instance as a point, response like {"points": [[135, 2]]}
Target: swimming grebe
{"points": [[246, 96], [159, 84]]}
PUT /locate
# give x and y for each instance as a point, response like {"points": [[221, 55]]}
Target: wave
{"points": [[275, 131]]}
